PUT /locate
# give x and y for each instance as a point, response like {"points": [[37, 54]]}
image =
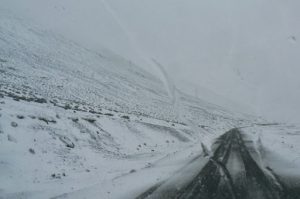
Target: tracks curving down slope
{"points": [[232, 172]]}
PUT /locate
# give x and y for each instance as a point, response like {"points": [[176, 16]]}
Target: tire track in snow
{"points": [[218, 180]]}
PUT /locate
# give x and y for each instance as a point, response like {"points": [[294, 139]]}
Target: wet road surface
{"points": [[232, 172]]}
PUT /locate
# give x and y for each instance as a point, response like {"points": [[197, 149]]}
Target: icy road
{"points": [[231, 172]]}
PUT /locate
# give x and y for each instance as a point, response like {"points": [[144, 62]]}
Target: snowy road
{"points": [[232, 172]]}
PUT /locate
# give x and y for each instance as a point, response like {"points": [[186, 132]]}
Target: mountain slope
{"points": [[72, 118]]}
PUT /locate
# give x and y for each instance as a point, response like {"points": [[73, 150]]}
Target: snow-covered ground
{"points": [[47, 150], [83, 124], [78, 123], [278, 148]]}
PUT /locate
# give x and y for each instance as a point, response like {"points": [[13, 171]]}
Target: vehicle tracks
{"points": [[231, 173]]}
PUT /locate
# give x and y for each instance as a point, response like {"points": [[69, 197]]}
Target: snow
{"points": [[83, 123], [78, 123], [278, 147], [220, 47], [97, 160]]}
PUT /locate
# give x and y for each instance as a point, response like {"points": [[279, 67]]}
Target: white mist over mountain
{"points": [[244, 51]]}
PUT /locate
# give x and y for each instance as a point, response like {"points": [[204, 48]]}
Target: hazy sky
{"points": [[247, 51]]}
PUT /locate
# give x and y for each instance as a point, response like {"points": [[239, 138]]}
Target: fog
{"points": [[242, 51]]}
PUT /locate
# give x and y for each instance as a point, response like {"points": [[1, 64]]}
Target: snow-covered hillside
{"points": [[39, 66], [74, 120]]}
